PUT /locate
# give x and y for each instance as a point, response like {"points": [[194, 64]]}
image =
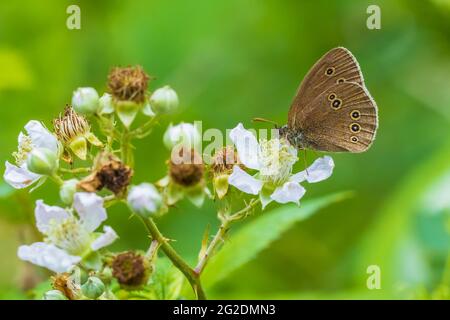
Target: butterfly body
{"points": [[332, 111]]}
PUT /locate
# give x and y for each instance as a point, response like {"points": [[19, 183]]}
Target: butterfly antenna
{"points": [[265, 120]]}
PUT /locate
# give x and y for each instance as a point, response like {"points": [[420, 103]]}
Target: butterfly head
{"points": [[295, 137]]}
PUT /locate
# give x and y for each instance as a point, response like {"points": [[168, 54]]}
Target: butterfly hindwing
{"points": [[342, 118]]}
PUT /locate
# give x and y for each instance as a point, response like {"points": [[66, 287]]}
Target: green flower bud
{"points": [[164, 100], [67, 191], [93, 288], [42, 161], [145, 199], [105, 104], [85, 100], [54, 295]]}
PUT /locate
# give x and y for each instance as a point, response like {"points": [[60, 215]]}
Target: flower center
{"points": [[25, 147], [69, 235], [276, 158]]}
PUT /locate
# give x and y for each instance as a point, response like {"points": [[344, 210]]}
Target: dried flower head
{"points": [[128, 84], [64, 282], [187, 169], [109, 173], [70, 125], [130, 269], [73, 130], [224, 160]]}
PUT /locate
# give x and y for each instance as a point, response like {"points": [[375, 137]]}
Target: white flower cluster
{"points": [[273, 161]]}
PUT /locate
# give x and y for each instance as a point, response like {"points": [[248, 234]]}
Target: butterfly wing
{"points": [[343, 118], [336, 66]]}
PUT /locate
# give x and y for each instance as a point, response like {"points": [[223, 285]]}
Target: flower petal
{"points": [[244, 182], [46, 215], [247, 146], [321, 169], [105, 239], [19, 177], [48, 256], [89, 207], [40, 136], [288, 192]]}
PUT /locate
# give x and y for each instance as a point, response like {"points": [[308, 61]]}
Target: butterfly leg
{"points": [[305, 161]]}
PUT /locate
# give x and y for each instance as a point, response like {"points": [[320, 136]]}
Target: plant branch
{"points": [[177, 260], [226, 222]]}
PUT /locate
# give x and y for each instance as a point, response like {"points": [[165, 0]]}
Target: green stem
{"points": [[127, 156], [145, 129], [76, 170], [176, 259], [57, 179]]}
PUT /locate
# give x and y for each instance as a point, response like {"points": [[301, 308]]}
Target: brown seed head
{"points": [[188, 168], [128, 84], [130, 269], [224, 160], [70, 125]]}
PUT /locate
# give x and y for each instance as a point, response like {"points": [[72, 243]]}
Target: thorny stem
{"points": [[177, 260], [226, 222]]}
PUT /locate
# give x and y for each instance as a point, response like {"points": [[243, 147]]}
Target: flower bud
{"points": [[164, 100], [42, 161], [85, 100], [54, 295], [105, 104], [185, 134], [145, 199], [67, 191], [93, 288]]}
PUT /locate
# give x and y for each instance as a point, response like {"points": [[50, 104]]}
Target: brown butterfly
{"points": [[332, 110]]}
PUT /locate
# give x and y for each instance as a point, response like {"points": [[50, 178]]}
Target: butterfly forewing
{"points": [[336, 66], [342, 118]]}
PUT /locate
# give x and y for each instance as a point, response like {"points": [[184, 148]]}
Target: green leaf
{"points": [[167, 281], [391, 243], [257, 235]]}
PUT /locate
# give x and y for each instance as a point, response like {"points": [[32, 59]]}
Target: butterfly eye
{"points": [[331, 97], [355, 114], [329, 71], [355, 127], [354, 139], [336, 104], [341, 80]]}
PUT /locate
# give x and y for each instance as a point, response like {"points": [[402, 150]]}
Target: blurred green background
{"points": [[234, 60]]}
